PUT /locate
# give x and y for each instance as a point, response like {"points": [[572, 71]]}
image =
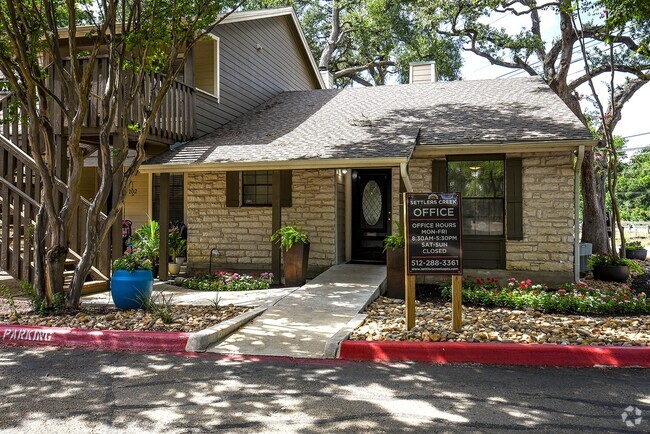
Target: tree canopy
{"points": [[368, 41], [634, 187], [578, 44], [49, 54]]}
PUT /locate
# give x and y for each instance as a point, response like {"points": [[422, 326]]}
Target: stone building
{"points": [[338, 160], [249, 138]]}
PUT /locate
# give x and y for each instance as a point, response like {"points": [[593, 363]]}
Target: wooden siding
{"points": [[422, 73], [258, 60], [89, 180], [208, 114], [136, 206]]}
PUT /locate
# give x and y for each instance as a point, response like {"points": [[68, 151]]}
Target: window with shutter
{"points": [[257, 188], [481, 185], [232, 189], [481, 181], [176, 197], [514, 201]]}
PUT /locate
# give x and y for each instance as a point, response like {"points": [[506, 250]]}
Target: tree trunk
{"points": [[81, 271], [39, 254], [333, 38], [54, 268], [594, 226]]}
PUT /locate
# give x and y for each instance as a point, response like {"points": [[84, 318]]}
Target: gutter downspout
{"points": [[576, 209], [403, 168], [405, 177]]}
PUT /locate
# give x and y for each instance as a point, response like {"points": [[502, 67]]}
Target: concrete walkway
{"points": [[312, 319]]}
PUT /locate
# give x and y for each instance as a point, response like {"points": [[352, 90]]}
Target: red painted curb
{"points": [[499, 354], [100, 339]]}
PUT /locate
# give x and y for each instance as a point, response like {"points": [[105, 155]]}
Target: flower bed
{"points": [[570, 298], [225, 281]]}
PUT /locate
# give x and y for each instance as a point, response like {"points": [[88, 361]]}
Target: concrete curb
{"points": [[200, 341], [375, 295], [101, 339], [499, 354], [333, 344]]}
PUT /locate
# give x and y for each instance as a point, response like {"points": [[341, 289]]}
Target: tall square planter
{"points": [[395, 273], [296, 260]]}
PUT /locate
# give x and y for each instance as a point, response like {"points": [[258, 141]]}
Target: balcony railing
{"points": [[174, 122]]}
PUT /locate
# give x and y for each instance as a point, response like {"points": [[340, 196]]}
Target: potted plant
{"points": [[610, 268], [146, 242], [635, 250], [132, 281], [295, 243], [394, 248], [176, 248]]}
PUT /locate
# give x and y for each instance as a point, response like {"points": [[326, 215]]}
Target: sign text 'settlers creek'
{"points": [[433, 230]]}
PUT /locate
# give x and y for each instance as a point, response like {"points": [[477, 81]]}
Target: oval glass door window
{"points": [[371, 203]]}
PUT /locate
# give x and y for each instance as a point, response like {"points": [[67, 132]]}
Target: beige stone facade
{"points": [[318, 200], [242, 233], [547, 245], [548, 215]]}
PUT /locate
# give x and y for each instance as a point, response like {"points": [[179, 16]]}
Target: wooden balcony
{"points": [[174, 122]]}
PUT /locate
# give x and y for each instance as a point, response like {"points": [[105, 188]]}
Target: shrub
{"points": [[396, 240], [131, 262], [287, 236], [225, 281], [597, 260], [569, 298], [634, 245], [146, 241]]}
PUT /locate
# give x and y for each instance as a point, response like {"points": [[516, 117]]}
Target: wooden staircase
{"points": [[20, 188]]}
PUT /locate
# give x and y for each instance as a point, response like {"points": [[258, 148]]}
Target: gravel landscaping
{"points": [[386, 322], [183, 318]]}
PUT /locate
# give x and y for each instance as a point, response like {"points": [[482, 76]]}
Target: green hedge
{"points": [[570, 298]]}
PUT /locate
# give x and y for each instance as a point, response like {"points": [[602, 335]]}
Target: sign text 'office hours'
{"points": [[433, 233]]}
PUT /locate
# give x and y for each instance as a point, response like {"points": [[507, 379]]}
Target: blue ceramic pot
{"points": [[130, 288]]}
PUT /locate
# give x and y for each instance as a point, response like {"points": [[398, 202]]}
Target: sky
{"points": [[635, 120]]}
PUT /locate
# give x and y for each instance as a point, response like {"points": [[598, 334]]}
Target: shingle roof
{"points": [[384, 122]]}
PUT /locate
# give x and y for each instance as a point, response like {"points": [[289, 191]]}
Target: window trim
{"points": [[234, 194], [244, 185], [217, 69], [483, 157]]}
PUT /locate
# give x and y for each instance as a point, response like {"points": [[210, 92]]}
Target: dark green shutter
{"points": [[514, 201], [439, 176], [232, 189], [286, 193]]}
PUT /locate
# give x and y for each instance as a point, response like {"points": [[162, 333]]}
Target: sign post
{"points": [[433, 233]]}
